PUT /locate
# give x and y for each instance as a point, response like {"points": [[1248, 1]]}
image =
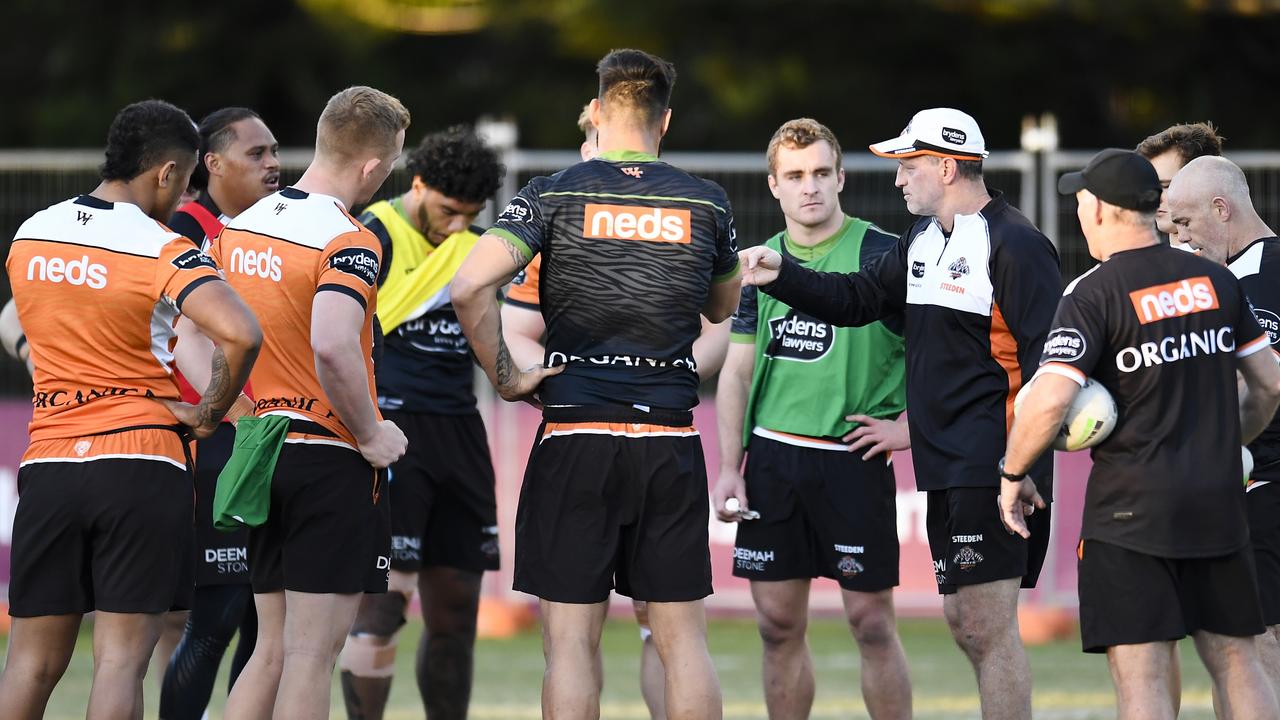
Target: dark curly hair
{"points": [[458, 164], [144, 135], [216, 134]]}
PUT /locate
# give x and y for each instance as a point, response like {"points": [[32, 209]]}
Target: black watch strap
{"points": [[1012, 477]]}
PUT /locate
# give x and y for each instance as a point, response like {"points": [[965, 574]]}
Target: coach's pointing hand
{"points": [[385, 447], [1017, 501], [760, 265]]}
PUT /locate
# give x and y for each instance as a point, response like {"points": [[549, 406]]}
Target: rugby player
{"points": [[104, 517], [1209, 204], [1169, 150], [444, 514], [310, 271], [814, 405], [615, 489], [1164, 550], [523, 328], [238, 166], [977, 284]]}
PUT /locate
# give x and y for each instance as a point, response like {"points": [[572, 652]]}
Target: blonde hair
{"points": [[584, 120], [359, 119], [799, 134]]}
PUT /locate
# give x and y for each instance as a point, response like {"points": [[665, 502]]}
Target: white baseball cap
{"points": [[941, 132]]}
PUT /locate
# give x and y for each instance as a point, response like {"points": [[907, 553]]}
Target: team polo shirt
{"points": [[1161, 329], [278, 254], [98, 287], [1258, 268], [977, 303], [630, 248]]}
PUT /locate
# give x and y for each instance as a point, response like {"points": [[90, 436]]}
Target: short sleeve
{"points": [[522, 221], [181, 268], [524, 288], [350, 264], [374, 225], [725, 266], [1250, 337], [746, 319], [1076, 339]]}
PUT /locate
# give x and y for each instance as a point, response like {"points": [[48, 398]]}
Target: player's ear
{"points": [[167, 174], [369, 166], [595, 112], [666, 122], [212, 163], [839, 179], [773, 186], [1221, 208]]}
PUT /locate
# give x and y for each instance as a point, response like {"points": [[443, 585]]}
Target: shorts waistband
{"points": [[617, 414]]}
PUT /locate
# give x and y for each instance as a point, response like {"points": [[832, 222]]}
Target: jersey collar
{"points": [[1238, 255], [626, 156], [813, 252]]}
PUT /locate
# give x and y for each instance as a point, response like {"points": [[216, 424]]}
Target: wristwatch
{"points": [[1011, 477]]}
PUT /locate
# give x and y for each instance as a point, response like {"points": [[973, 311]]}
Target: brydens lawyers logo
{"points": [[1269, 321], [1064, 345], [358, 261], [518, 210], [631, 222], [953, 136], [917, 268], [1175, 299]]}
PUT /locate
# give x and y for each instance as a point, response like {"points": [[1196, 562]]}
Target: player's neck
{"points": [[324, 181], [810, 235], [115, 191], [614, 139], [966, 198], [1252, 229], [223, 203], [1135, 239]]}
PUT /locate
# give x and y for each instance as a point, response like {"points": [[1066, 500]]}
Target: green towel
{"points": [[243, 497]]}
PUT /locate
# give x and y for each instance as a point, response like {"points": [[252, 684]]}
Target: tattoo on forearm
{"points": [[219, 396], [505, 369]]}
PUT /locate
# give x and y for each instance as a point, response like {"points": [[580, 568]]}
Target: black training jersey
{"points": [[630, 248], [1258, 268], [976, 303], [425, 365], [1161, 329]]}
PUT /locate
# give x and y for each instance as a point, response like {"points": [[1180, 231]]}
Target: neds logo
{"points": [[1174, 299], [74, 272], [266, 265], [629, 222]]}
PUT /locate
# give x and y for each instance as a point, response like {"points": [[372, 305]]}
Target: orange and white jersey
{"points": [[277, 255], [98, 286]]}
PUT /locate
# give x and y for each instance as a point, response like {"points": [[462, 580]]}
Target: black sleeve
{"points": [[745, 318], [875, 292], [186, 226], [375, 226], [1078, 339], [875, 243], [1264, 297], [1027, 286]]}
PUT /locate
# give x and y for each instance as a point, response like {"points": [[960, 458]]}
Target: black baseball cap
{"points": [[1118, 177]]}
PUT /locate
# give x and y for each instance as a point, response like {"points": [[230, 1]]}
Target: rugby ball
{"points": [[10, 330], [1246, 460], [1090, 419]]}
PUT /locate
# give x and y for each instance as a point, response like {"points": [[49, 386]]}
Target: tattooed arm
{"points": [[493, 261], [218, 341]]}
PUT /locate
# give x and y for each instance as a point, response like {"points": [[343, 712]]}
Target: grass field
{"points": [[1068, 684]]}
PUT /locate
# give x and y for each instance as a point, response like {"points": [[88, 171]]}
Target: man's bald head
{"points": [[1209, 204]]}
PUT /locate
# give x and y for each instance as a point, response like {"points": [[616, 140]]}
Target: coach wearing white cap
{"points": [[978, 285]]}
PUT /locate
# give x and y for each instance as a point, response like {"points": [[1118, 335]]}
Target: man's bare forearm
{"points": [[343, 377]]}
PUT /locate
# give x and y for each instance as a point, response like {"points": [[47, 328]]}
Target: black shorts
{"points": [[222, 558], [823, 513], [328, 530], [611, 503], [1130, 598], [443, 508], [1263, 506], [970, 545], [112, 535]]}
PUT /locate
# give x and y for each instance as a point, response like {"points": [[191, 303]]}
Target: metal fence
{"points": [[33, 179]]}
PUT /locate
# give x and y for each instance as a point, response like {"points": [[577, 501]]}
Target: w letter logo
{"points": [[83, 217]]}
